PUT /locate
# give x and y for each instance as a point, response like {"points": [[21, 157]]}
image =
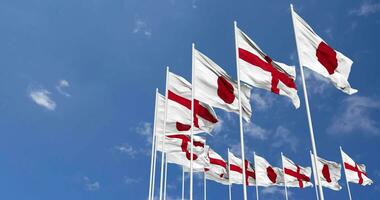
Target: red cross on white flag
{"points": [[315, 54], [259, 70], [217, 170], [236, 172], [355, 173], [179, 109], [295, 175]]}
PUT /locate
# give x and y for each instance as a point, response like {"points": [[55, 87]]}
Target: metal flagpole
{"points": [[314, 148], [229, 178], [192, 121], [283, 171], [345, 174], [154, 167], [183, 184], [257, 187], [204, 186], [315, 177], [166, 175], [164, 133], [240, 115], [151, 185], [204, 182]]}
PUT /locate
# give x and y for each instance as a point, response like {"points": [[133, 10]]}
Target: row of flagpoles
{"points": [[187, 110]]}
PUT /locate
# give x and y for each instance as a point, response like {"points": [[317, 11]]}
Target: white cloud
{"points": [[256, 131], [262, 100], [329, 33], [141, 27], [129, 180], [91, 185], [219, 127], [41, 97], [315, 83], [127, 149], [355, 115], [271, 191], [283, 137], [366, 8], [145, 129], [194, 4], [62, 84]]}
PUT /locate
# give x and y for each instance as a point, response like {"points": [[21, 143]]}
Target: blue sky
{"points": [[78, 78]]}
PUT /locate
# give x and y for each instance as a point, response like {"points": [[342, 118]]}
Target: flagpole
{"points": [[192, 121], [283, 171], [344, 168], [240, 115], [204, 186], [204, 181], [314, 148], [315, 177], [153, 147], [257, 187], [154, 166], [183, 184], [164, 133], [229, 177], [166, 175]]}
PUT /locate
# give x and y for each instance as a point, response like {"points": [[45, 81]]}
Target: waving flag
{"points": [[178, 149], [329, 173], [217, 169], [259, 70], [355, 173], [315, 54], [266, 174], [179, 109], [236, 172], [295, 175], [216, 88]]}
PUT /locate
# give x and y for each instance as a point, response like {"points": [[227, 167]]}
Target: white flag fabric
{"points": [[317, 55], [178, 149], [266, 174], [329, 173], [259, 70], [216, 88], [179, 109], [355, 173], [295, 175], [217, 169], [236, 171]]}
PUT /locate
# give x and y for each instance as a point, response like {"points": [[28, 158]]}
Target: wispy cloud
{"points": [[355, 115], [194, 4], [274, 191], [283, 137], [130, 180], [91, 185], [262, 100], [329, 33], [145, 129], [42, 98], [127, 149], [141, 27], [256, 131], [366, 8], [316, 84], [62, 85]]}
